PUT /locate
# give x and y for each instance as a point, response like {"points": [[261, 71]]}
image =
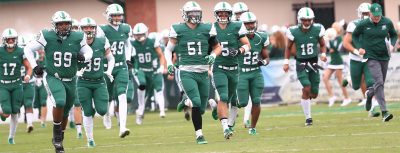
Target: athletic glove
{"points": [[171, 69], [233, 52], [129, 63], [38, 70], [263, 62], [210, 59], [81, 57]]}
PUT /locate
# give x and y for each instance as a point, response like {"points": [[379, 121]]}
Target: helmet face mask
{"points": [[251, 27], [223, 12], [10, 38], [116, 19], [63, 28]]}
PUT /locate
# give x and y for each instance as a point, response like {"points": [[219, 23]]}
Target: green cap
{"points": [[376, 9]]}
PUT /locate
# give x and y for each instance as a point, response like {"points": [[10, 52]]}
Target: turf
{"points": [[280, 129]]}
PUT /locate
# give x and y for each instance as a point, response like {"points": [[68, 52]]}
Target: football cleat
{"points": [[124, 133], [11, 141], [91, 144], [227, 134], [369, 94], [386, 116], [71, 125], [252, 131], [79, 135], [309, 122], [201, 140], [29, 129], [187, 113]]}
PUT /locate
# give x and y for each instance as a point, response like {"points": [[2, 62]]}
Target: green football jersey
{"points": [[61, 54], [145, 53], [95, 67], [117, 39], [336, 57], [250, 58], [229, 38], [306, 42], [10, 63], [192, 45]]}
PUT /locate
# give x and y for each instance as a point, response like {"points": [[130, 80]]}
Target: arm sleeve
{"points": [[168, 52], [392, 34], [106, 44], [128, 49], [30, 49], [110, 62], [356, 36]]}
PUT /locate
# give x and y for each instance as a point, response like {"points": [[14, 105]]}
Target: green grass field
{"points": [[280, 129]]}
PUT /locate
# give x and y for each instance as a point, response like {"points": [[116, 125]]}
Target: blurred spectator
{"points": [[278, 44]]}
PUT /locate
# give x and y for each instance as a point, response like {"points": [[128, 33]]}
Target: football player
{"points": [[306, 36], [191, 40], [118, 33], [63, 49], [11, 89]]}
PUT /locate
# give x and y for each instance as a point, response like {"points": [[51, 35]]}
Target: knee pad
{"points": [[142, 87]]}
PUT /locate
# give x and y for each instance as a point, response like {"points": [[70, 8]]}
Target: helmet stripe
{"points": [[249, 16], [116, 6], [63, 15], [240, 6], [194, 4], [9, 32], [138, 29], [307, 13], [223, 5]]}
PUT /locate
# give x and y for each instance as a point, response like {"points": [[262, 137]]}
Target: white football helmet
{"points": [[223, 7], [240, 7], [305, 13], [114, 9], [88, 22], [58, 17], [363, 8], [191, 12], [75, 25], [10, 33], [330, 34], [249, 17], [140, 32]]}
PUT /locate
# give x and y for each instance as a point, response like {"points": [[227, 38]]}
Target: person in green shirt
{"points": [[371, 39], [12, 58], [305, 37], [197, 47], [63, 50]]}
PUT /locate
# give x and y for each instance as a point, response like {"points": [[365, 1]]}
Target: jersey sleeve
{"points": [[213, 31], [83, 41], [289, 34], [350, 28], [242, 31], [266, 42], [156, 43], [40, 39], [322, 31], [106, 44], [100, 32], [172, 33]]}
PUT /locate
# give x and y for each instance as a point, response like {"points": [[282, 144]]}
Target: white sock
{"points": [[13, 125], [247, 112], [199, 133], [88, 125], [71, 115], [1, 110], [141, 103], [123, 110], [29, 119], [306, 104], [117, 116], [224, 123], [160, 100], [232, 115], [79, 128]]}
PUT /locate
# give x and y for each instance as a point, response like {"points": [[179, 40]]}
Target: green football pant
{"points": [[196, 87], [111, 94], [120, 83], [11, 97], [40, 96], [29, 94], [61, 93], [309, 78], [225, 81], [357, 69], [150, 80], [96, 91], [250, 84], [129, 92]]}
